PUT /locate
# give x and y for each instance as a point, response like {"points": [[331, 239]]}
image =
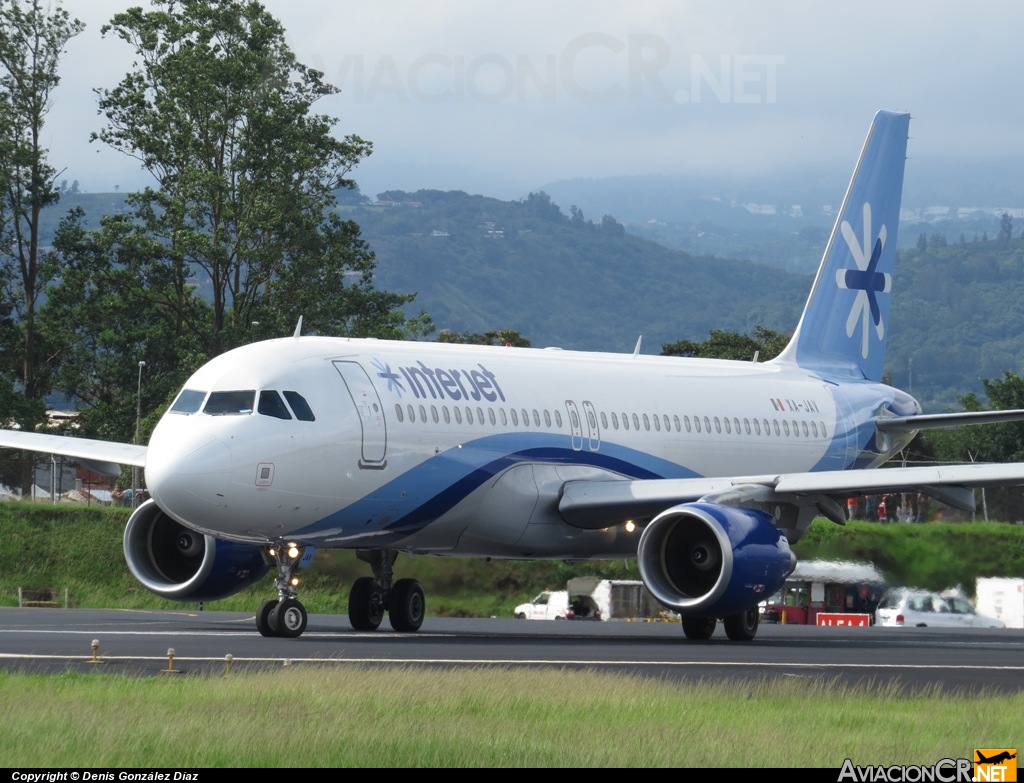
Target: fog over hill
{"points": [[784, 220]]}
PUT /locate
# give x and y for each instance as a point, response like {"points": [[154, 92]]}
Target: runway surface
{"points": [[137, 643]]}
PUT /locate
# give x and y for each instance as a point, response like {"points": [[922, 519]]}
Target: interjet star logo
{"points": [[393, 378], [867, 282]]}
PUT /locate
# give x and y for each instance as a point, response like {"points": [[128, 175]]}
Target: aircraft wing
{"points": [[593, 505], [103, 456], [934, 420]]}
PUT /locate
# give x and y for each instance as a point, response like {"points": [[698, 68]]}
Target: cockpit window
{"points": [[299, 405], [189, 401], [230, 403], [271, 404]]}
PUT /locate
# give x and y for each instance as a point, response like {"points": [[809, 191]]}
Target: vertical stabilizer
{"points": [[846, 319]]}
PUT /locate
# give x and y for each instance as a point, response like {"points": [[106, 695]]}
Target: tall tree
{"points": [[108, 319], [220, 112], [33, 38]]}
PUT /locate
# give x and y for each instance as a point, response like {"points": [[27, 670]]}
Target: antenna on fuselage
{"points": [[298, 328], [636, 351]]}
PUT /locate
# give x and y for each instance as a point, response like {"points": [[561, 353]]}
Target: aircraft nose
{"points": [[189, 482]]}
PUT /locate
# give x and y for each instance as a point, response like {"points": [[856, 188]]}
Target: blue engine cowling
{"points": [[178, 563], [703, 559]]}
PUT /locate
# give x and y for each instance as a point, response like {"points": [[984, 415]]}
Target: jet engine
{"points": [[704, 559], [180, 564]]}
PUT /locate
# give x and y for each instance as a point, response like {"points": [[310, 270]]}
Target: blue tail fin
{"points": [[845, 321]]}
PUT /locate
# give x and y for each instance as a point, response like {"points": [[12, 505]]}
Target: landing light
{"points": [[630, 527], [293, 551], [294, 581]]}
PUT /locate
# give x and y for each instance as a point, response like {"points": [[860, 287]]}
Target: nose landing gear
{"points": [[286, 616], [368, 600]]}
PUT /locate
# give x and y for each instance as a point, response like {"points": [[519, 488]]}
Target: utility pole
{"points": [[138, 427]]}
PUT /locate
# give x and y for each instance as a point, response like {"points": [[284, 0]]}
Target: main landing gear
{"points": [[740, 627], [370, 597], [285, 616]]}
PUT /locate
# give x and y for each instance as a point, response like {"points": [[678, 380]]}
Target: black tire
{"points": [[263, 618], [289, 618], [520, 616], [742, 627], [406, 606], [699, 628], [364, 612]]}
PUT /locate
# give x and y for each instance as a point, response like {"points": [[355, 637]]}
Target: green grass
{"points": [[358, 716]]}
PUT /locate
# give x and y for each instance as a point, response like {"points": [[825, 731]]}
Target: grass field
{"points": [[413, 717]]}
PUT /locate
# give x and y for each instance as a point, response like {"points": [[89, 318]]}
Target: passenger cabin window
{"points": [[271, 404], [189, 401], [230, 403], [299, 405]]}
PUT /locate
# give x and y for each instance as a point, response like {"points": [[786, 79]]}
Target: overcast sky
{"points": [[500, 98]]}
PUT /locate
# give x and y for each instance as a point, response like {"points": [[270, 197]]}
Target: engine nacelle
{"points": [[710, 560], [178, 563]]}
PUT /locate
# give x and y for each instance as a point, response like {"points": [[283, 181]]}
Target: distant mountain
{"points": [[785, 220], [477, 263]]}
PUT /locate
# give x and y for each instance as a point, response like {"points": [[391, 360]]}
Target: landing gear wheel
{"points": [[699, 628], [263, 618], [289, 618], [406, 606], [364, 610], [742, 627]]}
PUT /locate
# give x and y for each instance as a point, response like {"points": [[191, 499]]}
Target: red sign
{"points": [[841, 618]]}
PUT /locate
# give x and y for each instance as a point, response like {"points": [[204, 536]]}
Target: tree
{"points": [[1005, 228], [107, 319], [220, 112], [612, 226], [989, 442], [765, 343], [506, 337], [33, 38]]}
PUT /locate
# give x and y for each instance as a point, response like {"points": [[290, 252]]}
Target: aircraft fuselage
{"points": [[452, 449]]}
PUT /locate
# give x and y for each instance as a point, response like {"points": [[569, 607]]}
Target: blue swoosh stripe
{"points": [[460, 471]]}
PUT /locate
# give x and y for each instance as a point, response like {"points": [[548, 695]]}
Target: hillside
{"points": [[478, 263], [957, 317], [784, 219]]}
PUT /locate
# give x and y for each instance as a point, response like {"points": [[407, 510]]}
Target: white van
{"points": [[549, 605]]}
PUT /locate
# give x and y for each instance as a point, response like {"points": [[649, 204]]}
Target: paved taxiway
{"points": [[136, 642]]}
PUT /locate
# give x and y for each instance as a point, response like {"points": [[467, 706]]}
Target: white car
{"points": [[549, 605], [908, 607]]}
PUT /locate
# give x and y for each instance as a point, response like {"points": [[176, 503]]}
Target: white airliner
{"points": [[702, 470]]}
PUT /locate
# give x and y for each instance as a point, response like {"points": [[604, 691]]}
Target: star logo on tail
{"points": [[865, 280]]}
